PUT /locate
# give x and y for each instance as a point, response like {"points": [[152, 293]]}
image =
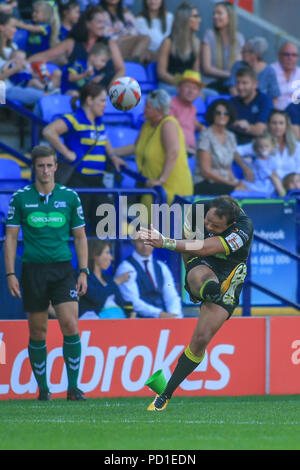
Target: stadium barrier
{"points": [[248, 356]]}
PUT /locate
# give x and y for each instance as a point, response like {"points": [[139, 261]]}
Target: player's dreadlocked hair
{"points": [[227, 207]]}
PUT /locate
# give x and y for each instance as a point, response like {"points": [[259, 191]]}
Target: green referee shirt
{"points": [[46, 222]]}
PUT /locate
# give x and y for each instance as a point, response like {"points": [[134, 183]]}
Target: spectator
{"points": [[252, 107], [253, 53], [160, 149], [103, 298], [9, 7], [43, 29], [181, 50], [85, 135], [151, 286], [291, 181], [288, 149], [156, 22], [94, 69], [216, 152], [287, 72], [29, 96], [264, 167], [28, 77], [69, 13], [87, 31], [221, 46], [293, 111], [184, 111], [120, 25]]}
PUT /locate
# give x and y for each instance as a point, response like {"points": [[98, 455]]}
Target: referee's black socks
{"points": [[187, 362]]}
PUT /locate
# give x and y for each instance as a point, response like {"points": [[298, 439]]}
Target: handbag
{"points": [[65, 170]]}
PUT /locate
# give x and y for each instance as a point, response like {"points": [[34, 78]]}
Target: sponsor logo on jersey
{"points": [[41, 219], [234, 241]]}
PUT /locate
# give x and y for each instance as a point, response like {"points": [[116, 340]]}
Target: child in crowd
{"points": [[27, 76], [69, 14], [44, 28], [95, 69], [291, 181], [266, 179]]}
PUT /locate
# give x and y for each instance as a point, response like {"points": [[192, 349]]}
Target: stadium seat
{"points": [[201, 107], [139, 73], [132, 118], [121, 135], [53, 106], [152, 73], [9, 169], [210, 99], [20, 39]]}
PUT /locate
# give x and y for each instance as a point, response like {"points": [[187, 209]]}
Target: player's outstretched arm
{"points": [[206, 247]]}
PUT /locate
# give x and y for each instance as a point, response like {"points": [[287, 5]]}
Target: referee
{"points": [[48, 213]]}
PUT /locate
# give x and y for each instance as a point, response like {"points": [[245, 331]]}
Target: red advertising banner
{"points": [[246, 4], [118, 356], [284, 355]]}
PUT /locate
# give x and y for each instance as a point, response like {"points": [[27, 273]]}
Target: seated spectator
{"points": [[29, 96], [221, 47], [291, 181], [253, 53], [95, 69], [120, 25], [8, 7], [184, 111], [85, 142], [287, 73], [181, 50], [103, 298], [43, 29], [264, 167], [216, 153], [29, 77], [293, 111], [156, 22], [252, 107], [69, 14], [84, 34], [150, 286], [160, 150], [288, 148]]}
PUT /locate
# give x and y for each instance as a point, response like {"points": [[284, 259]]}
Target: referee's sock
{"points": [[187, 362], [210, 290], [37, 352], [72, 353]]}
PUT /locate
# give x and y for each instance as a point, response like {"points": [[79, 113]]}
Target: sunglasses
{"points": [[221, 113], [289, 54]]}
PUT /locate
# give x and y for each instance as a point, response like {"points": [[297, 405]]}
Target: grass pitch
{"points": [[224, 423]]}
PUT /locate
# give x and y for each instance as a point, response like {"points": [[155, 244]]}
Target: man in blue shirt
{"points": [[293, 110], [252, 107]]}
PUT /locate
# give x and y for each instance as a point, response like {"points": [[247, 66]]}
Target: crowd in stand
{"points": [[248, 137]]}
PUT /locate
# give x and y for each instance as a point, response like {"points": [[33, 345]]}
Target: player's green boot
{"points": [[159, 403], [235, 279]]}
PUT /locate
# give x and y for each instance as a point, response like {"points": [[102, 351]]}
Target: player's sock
{"points": [[210, 290], [72, 353], [187, 362], [37, 351]]}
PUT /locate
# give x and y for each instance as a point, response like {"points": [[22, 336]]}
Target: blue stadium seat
{"points": [[53, 106], [121, 135], [152, 73], [139, 73], [9, 169], [20, 39], [132, 118], [210, 99], [201, 107]]}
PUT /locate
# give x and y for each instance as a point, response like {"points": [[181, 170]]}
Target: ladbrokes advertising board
{"points": [[118, 356]]}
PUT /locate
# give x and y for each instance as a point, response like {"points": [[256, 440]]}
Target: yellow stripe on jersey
{"points": [[88, 141], [227, 251], [82, 127]]}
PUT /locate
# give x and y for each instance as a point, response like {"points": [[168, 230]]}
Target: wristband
{"points": [[169, 243], [10, 274]]}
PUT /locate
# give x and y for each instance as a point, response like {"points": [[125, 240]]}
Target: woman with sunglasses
{"points": [[217, 149]]}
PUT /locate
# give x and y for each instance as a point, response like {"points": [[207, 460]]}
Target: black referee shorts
{"points": [[45, 282], [221, 269]]}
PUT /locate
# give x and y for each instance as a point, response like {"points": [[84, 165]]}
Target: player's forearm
{"points": [[10, 249], [81, 249]]}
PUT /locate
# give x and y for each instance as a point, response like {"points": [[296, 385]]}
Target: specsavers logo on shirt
{"points": [[41, 219]]}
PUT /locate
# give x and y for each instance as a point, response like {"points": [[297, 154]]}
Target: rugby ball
{"points": [[125, 93]]}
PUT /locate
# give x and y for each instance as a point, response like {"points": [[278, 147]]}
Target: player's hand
{"points": [[14, 286], [81, 286], [151, 236]]}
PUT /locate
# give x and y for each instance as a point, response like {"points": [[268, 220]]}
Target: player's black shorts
{"points": [[221, 269], [45, 282]]}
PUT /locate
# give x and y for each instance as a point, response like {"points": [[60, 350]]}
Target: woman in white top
{"points": [[221, 46], [156, 22], [217, 149]]}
